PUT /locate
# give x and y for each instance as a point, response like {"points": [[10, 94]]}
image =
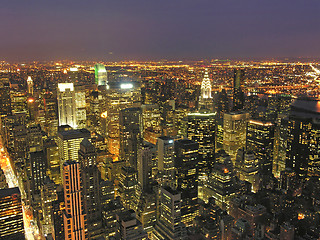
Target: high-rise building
{"points": [[234, 136], [151, 120], [49, 105], [166, 160], [205, 99], [75, 226], [101, 75], [91, 188], [169, 225], [5, 98], [238, 95], [37, 171], [201, 129], [30, 86], [144, 166], [119, 96], [260, 139], [130, 124], [80, 102], [127, 187], [186, 165], [129, 227], [52, 160], [11, 218], [66, 104], [69, 144], [222, 103]]}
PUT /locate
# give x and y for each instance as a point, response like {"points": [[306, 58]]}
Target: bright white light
{"points": [[126, 86], [63, 86], [170, 141], [73, 69]]}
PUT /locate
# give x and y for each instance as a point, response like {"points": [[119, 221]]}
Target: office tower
{"points": [[18, 102], [69, 144], [5, 98], [95, 113], [66, 104], [20, 146], [11, 218], [37, 171], [107, 192], [119, 96], [80, 102], [186, 165], [51, 150], [127, 187], [168, 118], [101, 75], [205, 99], [48, 196], [222, 103], [91, 188], [247, 166], [169, 225], [238, 95], [146, 153], [166, 160], [288, 180], [49, 105], [30, 86], [129, 227], [35, 138], [220, 186], [109, 213], [234, 136], [201, 129], [260, 139], [58, 208], [151, 117], [130, 125], [74, 215], [147, 209], [253, 106], [299, 130]]}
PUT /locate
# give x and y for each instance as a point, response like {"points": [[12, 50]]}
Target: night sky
{"points": [[158, 29]]}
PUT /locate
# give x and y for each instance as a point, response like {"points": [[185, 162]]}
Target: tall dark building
{"points": [[5, 99], [238, 95], [130, 124], [222, 103], [11, 218], [37, 171], [186, 165], [260, 138], [201, 129], [91, 188]]}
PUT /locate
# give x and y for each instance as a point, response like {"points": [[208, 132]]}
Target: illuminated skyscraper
{"points": [[238, 95], [234, 136], [260, 138], [66, 104], [186, 165], [205, 99], [11, 218], [101, 75], [5, 99], [130, 124], [80, 101], [30, 86], [74, 215], [144, 165], [119, 96], [169, 225], [201, 129], [91, 188], [38, 171], [166, 160]]}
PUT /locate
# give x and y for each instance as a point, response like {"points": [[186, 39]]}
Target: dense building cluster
{"points": [[172, 151]]}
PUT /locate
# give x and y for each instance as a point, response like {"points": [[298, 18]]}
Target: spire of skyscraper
{"points": [[206, 86], [30, 85]]}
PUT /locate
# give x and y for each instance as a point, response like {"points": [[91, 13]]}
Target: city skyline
{"points": [[125, 30]]}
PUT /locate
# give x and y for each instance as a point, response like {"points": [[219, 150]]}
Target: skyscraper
{"points": [[186, 164], [91, 188], [234, 136], [144, 166], [38, 170], [101, 75], [11, 218], [205, 99], [201, 129], [166, 160], [80, 111], [130, 124], [5, 99], [30, 86], [74, 215], [238, 95], [66, 104]]}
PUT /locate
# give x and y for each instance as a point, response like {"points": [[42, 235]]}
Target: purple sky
{"points": [[158, 29]]}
